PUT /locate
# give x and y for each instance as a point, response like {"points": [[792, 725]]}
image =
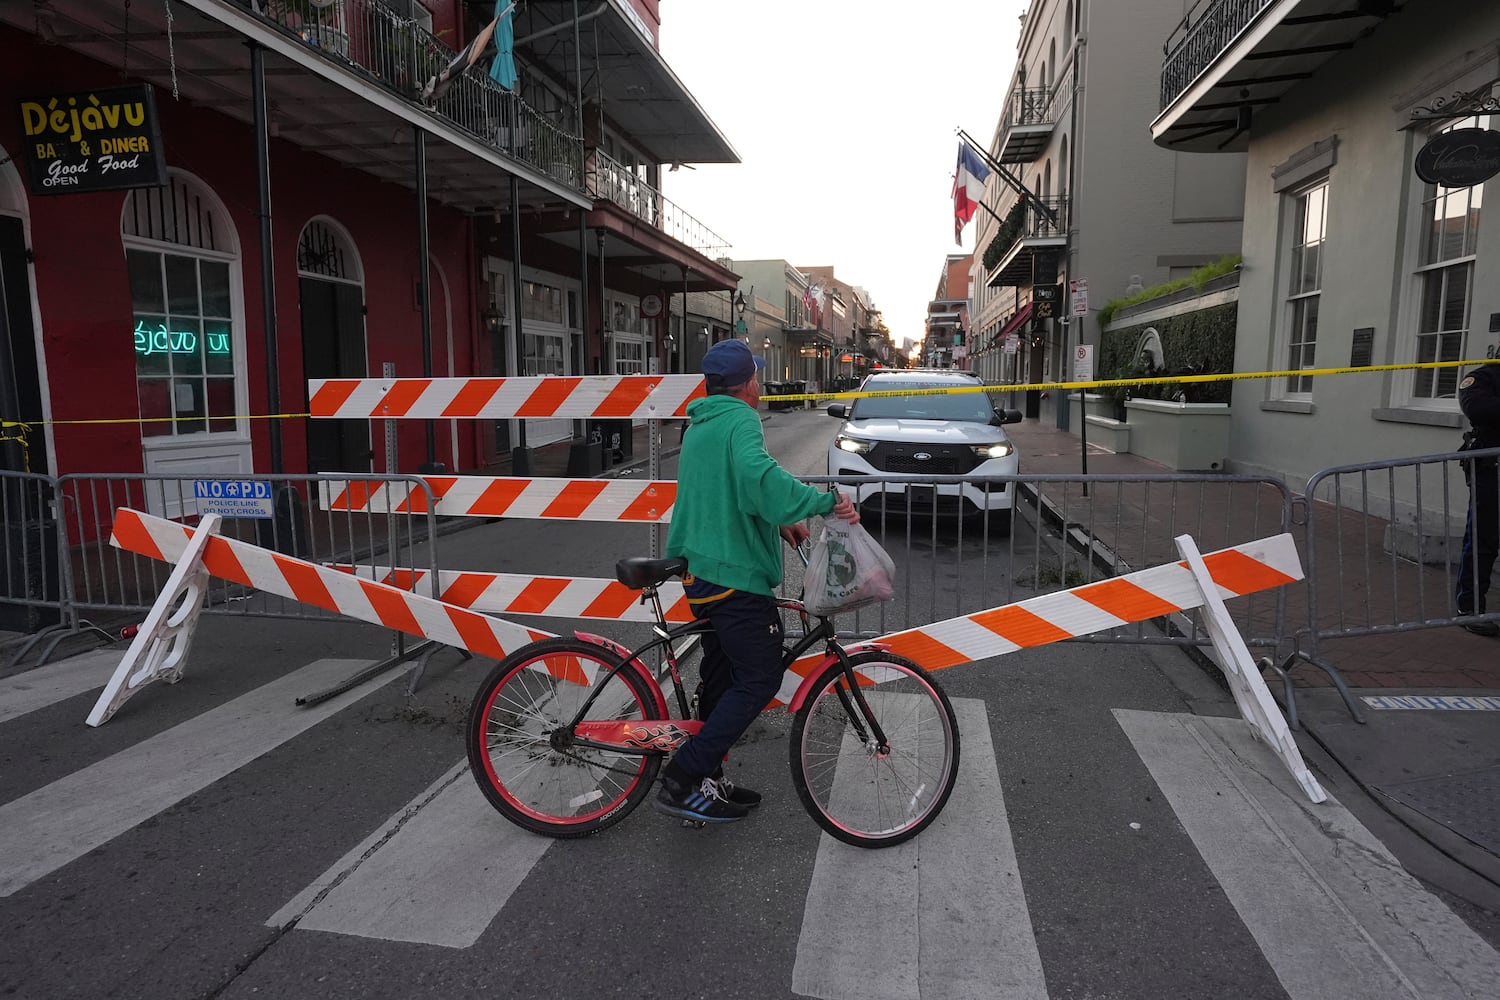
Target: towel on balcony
{"points": [[503, 68]]}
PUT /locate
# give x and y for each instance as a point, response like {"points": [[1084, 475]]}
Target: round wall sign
{"points": [[1460, 158], [650, 306]]}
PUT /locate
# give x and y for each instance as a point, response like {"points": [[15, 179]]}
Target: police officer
{"points": [[1479, 398]]}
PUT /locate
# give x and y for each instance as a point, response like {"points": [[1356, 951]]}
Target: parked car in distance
{"points": [[927, 434]]}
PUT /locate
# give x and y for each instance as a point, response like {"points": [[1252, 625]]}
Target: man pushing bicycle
{"points": [[734, 506]]}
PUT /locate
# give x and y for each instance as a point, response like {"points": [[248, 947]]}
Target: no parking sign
{"points": [[1083, 363]]}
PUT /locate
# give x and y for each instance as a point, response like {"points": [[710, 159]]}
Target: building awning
{"points": [[639, 91], [1017, 321], [1223, 66]]}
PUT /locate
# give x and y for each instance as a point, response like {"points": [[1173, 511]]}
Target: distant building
{"points": [[1114, 208]]}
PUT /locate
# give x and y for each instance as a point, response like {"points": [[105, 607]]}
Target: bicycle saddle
{"points": [[637, 573]]}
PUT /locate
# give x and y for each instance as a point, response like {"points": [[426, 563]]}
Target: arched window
{"points": [[1051, 60], [183, 259], [325, 251]]}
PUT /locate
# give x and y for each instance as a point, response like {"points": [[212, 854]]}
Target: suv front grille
{"points": [[899, 458]]}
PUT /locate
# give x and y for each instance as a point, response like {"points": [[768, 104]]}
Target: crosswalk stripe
{"points": [[58, 823], [953, 919], [47, 685], [1333, 911], [437, 873]]}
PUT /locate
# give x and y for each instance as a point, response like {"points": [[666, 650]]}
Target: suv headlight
{"points": [[984, 451], [857, 445]]}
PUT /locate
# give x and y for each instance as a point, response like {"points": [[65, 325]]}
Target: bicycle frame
{"points": [[635, 738]]}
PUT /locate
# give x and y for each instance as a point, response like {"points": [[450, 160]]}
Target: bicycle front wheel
{"points": [[535, 778], [860, 793]]}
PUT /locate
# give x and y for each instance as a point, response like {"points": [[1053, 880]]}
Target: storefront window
{"points": [[630, 357], [180, 257], [542, 302], [184, 344]]}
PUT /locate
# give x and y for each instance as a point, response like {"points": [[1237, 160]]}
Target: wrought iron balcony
{"points": [[610, 180], [1030, 116], [1028, 240], [1209, 28], [394, 52]]}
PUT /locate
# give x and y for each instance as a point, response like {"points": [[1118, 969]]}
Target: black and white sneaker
{"points": [[739, 795], [1485, 628], [704, 804]]}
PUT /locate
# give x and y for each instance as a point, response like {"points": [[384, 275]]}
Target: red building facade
{"points": [[137, 339]]}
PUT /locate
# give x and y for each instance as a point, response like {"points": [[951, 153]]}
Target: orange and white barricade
{"points": [[1198, 581], [505, 496]]}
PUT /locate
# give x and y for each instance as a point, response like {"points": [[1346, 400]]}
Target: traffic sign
{"points": [[1078, 291], [1083, 363]]}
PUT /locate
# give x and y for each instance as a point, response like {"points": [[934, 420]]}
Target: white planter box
{"points": [[1185, 437]]}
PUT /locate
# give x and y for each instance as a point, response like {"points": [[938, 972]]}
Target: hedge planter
{"points": [[1185, 437]]}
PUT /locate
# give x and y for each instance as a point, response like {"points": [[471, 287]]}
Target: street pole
{"points": [[267, 258]]}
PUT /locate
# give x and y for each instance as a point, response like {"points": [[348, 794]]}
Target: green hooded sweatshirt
{"points": [[732, 498]]}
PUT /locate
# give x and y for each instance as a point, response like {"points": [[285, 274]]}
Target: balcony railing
{"points": [[1209, 28], [1031, 106], [1030, 115], [395, 52], [1022, 222], [609, 179]]}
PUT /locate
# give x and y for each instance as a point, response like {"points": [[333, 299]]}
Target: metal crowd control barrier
{"points": [[1062, 532], [108, 580], [35, 584], [1383, 546]]}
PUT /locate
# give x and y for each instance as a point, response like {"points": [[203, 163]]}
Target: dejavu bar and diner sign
{"points": [[94, 140]]}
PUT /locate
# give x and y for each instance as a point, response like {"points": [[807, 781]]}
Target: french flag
{"points": [[968, 188]]}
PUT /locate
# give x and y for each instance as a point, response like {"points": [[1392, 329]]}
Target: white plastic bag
{"points": [[846, 570]]}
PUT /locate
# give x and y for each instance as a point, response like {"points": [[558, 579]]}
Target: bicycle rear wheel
{"points": [[544, 785], [856, 792]]}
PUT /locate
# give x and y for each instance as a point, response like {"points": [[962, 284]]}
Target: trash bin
{"points": [[616, 436], [31, 574]]}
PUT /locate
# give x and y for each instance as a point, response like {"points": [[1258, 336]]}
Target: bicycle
{"points": [[566, 735]]}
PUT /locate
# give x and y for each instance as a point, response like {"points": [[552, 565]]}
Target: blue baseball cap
{"points": [[730, 362]]}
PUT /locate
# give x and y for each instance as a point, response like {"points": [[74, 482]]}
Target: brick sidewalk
{"points": [[1358, 583]]}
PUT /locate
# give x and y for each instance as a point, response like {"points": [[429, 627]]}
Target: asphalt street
{"points": [[1114, 833]]}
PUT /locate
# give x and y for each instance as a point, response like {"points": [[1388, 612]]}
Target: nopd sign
{"points": [[1460, 158], [95, 140]]}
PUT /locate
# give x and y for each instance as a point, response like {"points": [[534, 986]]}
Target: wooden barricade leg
{"points": [[1249, 688], [161, 644]]}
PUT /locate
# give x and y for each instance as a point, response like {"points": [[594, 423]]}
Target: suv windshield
{"points": [[971, 406]]}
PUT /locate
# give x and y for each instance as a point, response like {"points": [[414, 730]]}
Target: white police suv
{"points": [[926, 434]]}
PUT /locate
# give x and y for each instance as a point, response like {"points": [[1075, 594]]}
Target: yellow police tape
{"points": [[24, 426], [1097, 383]]}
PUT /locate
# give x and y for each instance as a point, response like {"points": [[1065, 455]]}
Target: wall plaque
{"points": [[1364, 347]]}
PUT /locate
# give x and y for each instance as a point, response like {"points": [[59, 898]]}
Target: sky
{"points": [[845, 115]]}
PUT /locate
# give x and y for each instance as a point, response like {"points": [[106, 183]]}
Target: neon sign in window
{"points": [[164, 341]]}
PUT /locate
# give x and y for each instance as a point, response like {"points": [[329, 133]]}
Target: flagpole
{"points": [[991, 211], [1020, 188]]}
